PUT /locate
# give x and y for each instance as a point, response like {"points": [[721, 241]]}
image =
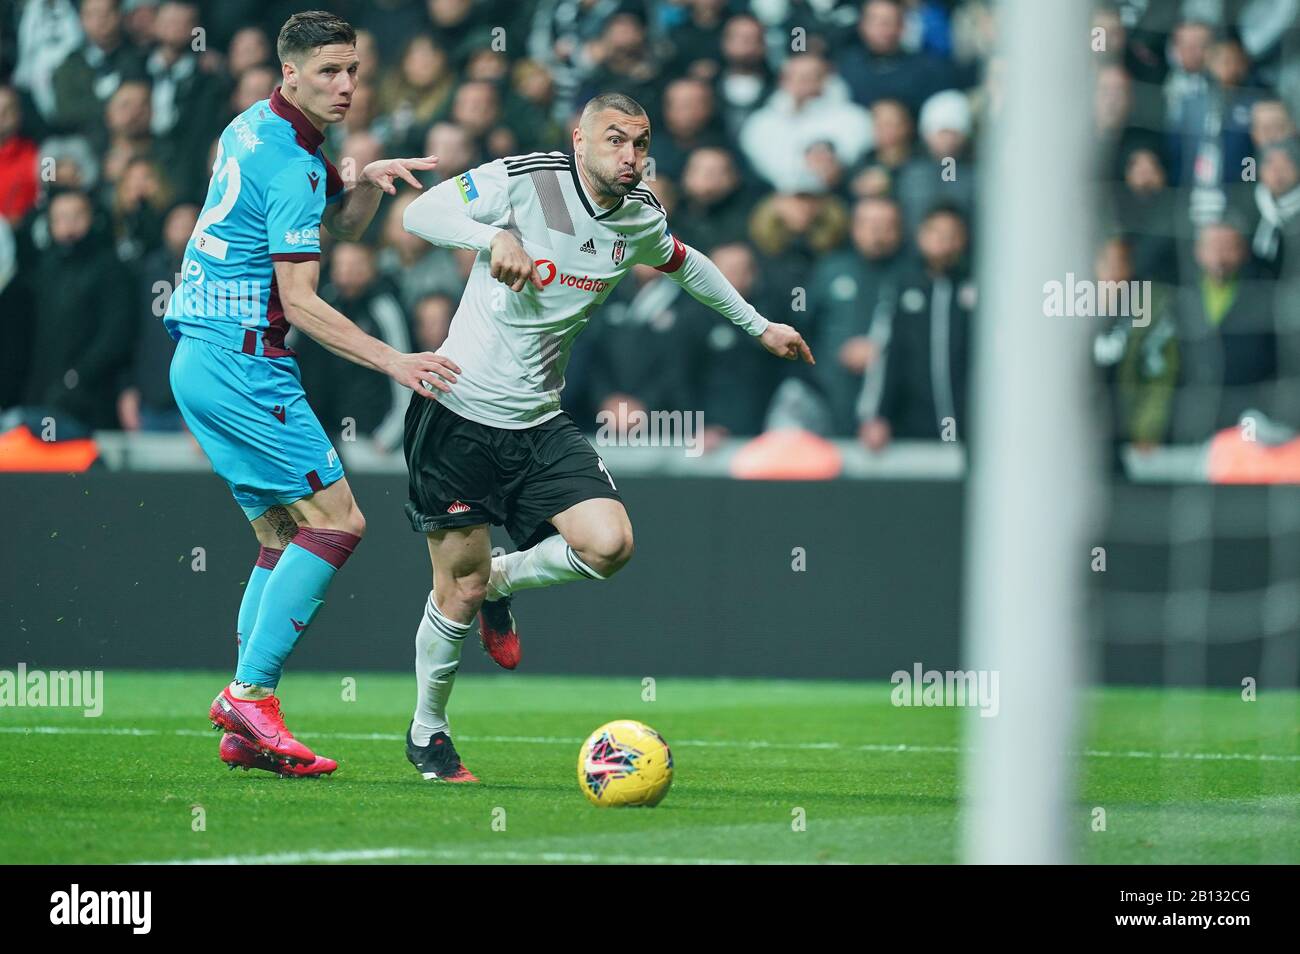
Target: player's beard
{"points": [[610, 184]]}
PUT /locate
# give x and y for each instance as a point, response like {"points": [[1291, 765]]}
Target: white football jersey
{"points": [[512, 347]]}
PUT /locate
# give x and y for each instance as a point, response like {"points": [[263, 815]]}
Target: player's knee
{"points": [[465, 593], [349, 520], [609, 550]]}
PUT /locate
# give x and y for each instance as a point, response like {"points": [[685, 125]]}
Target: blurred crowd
{"points": [[824, 154]]}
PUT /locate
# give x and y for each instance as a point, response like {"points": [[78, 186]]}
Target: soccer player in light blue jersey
{"points": [[250, 271]]}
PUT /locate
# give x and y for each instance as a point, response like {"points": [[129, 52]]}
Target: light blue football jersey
{"points": [[269, 187]]}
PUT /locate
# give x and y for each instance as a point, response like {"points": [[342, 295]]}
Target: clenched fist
{"points": [[511, 263]]}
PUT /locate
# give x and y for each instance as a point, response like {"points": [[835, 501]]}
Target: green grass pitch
{"points": [[1183, 776]]}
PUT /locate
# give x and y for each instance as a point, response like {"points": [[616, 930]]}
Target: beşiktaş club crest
{"points": [[620, 247]]}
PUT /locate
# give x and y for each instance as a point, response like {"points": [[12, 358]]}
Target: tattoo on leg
{"points": [[283, 524]]}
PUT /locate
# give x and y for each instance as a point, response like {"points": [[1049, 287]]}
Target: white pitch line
{"points": [[460, 854], [702, 743]]}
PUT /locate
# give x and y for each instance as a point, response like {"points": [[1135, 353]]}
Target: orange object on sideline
{"points": [[1233, 460], [21, 450], [787, 455]]}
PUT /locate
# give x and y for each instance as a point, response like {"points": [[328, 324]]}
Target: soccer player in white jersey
{"points": [[554, 235]]}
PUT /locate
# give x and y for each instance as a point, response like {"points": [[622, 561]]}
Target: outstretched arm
{"points": [[704, 282], [307, 311], [349, 218]]}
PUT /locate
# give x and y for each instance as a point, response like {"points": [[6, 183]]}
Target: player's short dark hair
{"points": [[306, 32], [617, 101]]}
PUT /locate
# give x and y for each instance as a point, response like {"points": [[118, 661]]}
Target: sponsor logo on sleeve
{"points": [[302, 236], [468, 190]]}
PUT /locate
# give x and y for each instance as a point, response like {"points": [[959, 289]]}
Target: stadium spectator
{"points": [[1227, 345], [255, 84], [1210, 138], [128, 121], [368, 69], [639, 356], [880, 68], [454, 149], [138, 20], [801, 114], [658, 349], [363, 116], [529, 109], [415, 268], [145, 402], [849, 292], [418, 90], [689, 123], [919, 390], [433, 314], [1143, 212], [744, 81], [488, 65], [350, 400], [93, 71], [623, 59], [1188, 77], [792, 230], [1276, 237], [18, 154], [948, 173], [81, 322], [187, 102], [1115, 134], [1269, 123], [697, 40], [360, 149], [70, 163], [1139, 362], [249, 48], [714, 206], [736, 381], [140, 201], [47, 32], [459, 26], [878, 172], [476, 108]]}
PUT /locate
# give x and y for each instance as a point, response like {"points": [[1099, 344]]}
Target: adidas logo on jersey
{"points": [[589, 247]]}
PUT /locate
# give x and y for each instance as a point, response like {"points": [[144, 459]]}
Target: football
{"points": [[625, 763]]}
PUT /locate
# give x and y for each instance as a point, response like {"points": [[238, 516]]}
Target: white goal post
{"points": [[1034, 462]]}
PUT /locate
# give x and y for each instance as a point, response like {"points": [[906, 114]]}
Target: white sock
{"points": [[551, 561], [438, 642], [247, 691]]}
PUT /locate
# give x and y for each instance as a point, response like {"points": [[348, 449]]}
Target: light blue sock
{"points": [[267, 557], [293, 593]]}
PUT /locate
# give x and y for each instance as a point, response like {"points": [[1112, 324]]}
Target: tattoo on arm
{"points": [[282, 523]]}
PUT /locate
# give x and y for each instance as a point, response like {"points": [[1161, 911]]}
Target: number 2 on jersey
{"points": [[225, 169]]}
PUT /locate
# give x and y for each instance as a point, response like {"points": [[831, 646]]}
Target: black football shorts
{"points": [[463, 473]]}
